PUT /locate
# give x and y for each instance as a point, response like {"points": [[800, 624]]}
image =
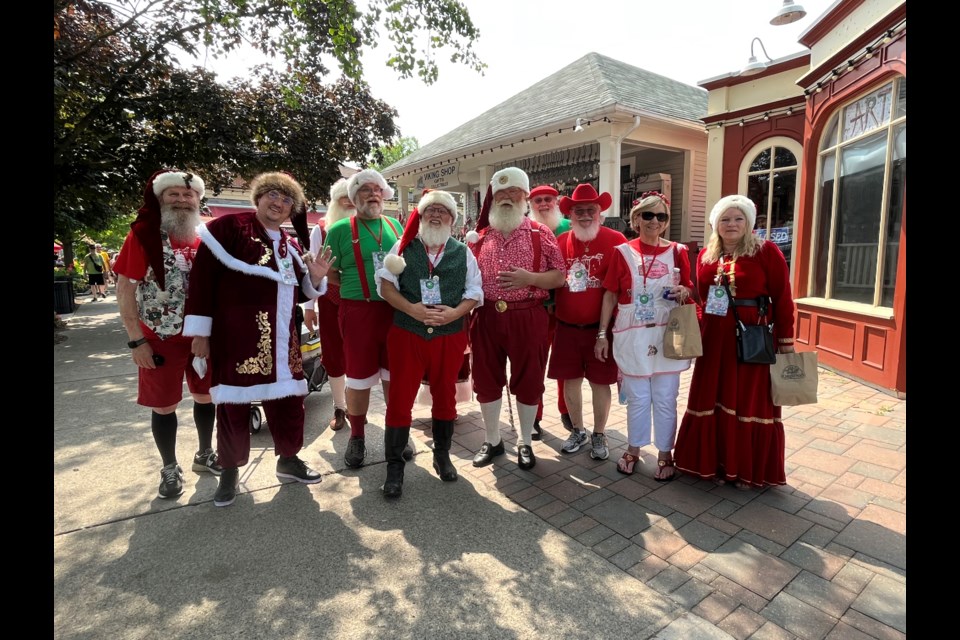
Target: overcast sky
{"points": [[524, 41]]}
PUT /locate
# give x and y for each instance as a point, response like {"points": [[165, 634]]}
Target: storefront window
{"points": [[772, 185], [861, 197]]}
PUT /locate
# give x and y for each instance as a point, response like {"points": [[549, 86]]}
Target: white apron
{"points": [[637, 348]]}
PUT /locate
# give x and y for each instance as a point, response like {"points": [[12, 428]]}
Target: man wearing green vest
{"points": [[360, 244], [432, 281]]}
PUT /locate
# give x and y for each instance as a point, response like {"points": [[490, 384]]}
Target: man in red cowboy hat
{"points": [[545, 210], [153, 270], [360, 244], [588, 249], [432, 281], [321, 314], [519, 263], [241, 310]]}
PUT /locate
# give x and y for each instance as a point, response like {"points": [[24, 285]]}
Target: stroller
{"points": [[313, 371]]}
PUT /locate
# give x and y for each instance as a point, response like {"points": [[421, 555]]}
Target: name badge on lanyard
{"points": [[643, 310], [287, 274], [717, 301], [430, 290], [577, 277], [378, 260]]}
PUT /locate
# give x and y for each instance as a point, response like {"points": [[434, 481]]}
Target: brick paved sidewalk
{"points": [[822, 557]]}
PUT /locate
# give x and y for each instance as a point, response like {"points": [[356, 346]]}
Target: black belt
{"points": [[595, 325], [748, 302]]}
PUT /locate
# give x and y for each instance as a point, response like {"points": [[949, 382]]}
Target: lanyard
{"points": [[358, 257], [644, 269], [378, 238], [434, 261]]}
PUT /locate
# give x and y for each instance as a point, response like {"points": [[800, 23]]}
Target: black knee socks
{"points": [[165, 435], [204, 415]]}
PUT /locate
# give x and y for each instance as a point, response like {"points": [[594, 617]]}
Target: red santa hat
{"points": [[367, 176], [146, 227], [395, 264], [503, 179]]}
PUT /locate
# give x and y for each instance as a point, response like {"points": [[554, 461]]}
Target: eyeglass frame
{"points": [[437, 208], [273, 195]]}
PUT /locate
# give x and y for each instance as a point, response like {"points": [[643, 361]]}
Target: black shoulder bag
{"points": [[754, 342]]}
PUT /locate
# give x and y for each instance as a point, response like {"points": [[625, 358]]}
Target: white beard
{"points": [[370, 210], [179, 224], [507, 216], [588, 234], [434, 237], [336, 212], [551, 219]]}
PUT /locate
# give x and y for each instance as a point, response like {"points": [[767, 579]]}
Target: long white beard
{"points": [[507, 216], [588, 234], [179, 224], [336, 212], [551, 218], [434, 237], [370, 210]]}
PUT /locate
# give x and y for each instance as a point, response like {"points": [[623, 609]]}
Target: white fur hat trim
{"points": [[510, 177], [366, 176], [177, 179], [444, 199], [472, 237], [735, 201], [338, 189], [395, 264]]}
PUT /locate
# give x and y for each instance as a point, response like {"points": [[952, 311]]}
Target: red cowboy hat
{"points": [[585, 194]]}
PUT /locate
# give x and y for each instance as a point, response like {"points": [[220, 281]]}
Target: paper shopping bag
{"points": [[793, 378]]}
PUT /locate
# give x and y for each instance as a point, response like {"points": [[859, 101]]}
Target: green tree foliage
{"points": [[386, 155], [124, 106]]}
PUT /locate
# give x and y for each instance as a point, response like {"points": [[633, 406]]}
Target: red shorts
{"points": [[364, 327], [331, 342], [572, 356], [163, 386], [439, 360], [521, 336]]}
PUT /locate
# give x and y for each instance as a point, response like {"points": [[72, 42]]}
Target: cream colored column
{"points": [[610, 171]]}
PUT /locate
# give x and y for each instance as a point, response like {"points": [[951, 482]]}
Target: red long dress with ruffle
{"points": [[731, 429]]}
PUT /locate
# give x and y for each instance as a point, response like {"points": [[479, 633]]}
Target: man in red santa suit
{"points": [[321, 314], [588, 250], [242, 311], [153, 271], [545, 210], [519, 263], [432, 281]]}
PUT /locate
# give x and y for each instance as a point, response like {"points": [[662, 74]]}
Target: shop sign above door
{"points": [[440, 178]]}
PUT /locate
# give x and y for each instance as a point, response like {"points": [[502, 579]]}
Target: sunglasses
{"points": [[650, 215]]}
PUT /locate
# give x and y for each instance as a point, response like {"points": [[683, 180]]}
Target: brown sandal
{"points": [[663, 464], [626, 463]]}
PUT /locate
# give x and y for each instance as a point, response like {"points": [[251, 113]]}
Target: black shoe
{"points": [[487, 453], [171, 481], [537, 430], [339, 420], [407, 452], [395, 440], [207, 461], [442, 438], [227, 489], [356, 452], [293, 468], [566, 421], [525, 457]]}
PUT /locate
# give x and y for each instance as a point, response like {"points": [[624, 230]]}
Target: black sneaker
{"points": [[537, 431], [207, 461], [293, 468], [356, 452], [171, 481], [227, 489]]}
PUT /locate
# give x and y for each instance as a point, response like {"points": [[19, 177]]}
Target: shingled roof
{"points": [[594, 84]]}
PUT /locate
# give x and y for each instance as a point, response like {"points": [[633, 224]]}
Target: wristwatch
{"points": [[133, 344]]}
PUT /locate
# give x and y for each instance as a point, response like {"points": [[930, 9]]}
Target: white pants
{"points": [[658, 392]]}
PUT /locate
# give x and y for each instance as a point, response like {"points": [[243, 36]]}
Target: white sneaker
{"points": [[574, 442]]}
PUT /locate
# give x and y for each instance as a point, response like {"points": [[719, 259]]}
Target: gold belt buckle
{"points": [[429, 329], [501, 306]]}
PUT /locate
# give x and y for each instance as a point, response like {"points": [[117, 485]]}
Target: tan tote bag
{"points": [[793, 379], [681, 340]]}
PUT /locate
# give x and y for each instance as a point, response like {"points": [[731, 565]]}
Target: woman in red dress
{"points": [[732, 431]]}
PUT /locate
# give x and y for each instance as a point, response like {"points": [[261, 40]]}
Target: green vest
{"points": [[452, 271]]}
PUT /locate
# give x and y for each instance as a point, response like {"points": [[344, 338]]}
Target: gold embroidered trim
{"points": [[701, 414], [296, 359], [261, 363], [268, 252]]}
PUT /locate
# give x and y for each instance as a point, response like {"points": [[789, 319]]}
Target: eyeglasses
{"points": [[585, 211], [436, 210], [370, 188], [650, 215], [275, 195], [540, 199]]}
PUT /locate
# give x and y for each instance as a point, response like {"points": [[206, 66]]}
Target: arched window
{"points": [[861, 190], [769, 177]]}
